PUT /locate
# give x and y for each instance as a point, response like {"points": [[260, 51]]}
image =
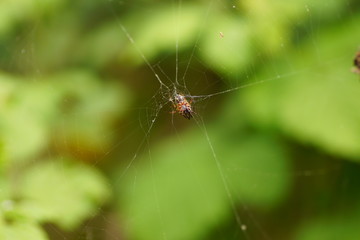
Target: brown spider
{"points": [[182, 106]]}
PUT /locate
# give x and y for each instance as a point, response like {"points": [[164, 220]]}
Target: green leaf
{"points": [[75, 106], [21, 230], [21, 100], [313, 99], [163, 28], [180, 193], [260, 178], [92, 51], [226, 46], [11, 13], [62, 192], [88, 108]]}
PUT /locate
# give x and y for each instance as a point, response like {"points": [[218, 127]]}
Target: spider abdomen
{"points": [[182, 106]]}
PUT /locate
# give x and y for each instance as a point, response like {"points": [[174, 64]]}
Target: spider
{"points": [[182, 106]]}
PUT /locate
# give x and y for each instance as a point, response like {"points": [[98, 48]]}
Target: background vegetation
{"points": [[81, 157]]}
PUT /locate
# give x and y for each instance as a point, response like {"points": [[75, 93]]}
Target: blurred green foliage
{"points": [[326, 97], [89, 151]]}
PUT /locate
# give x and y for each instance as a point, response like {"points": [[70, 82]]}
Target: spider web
{"points": [[234, 170], [248, 226]]}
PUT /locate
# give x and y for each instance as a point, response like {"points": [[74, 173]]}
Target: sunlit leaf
{"points": [[226, 46], [317, 104], [62, 192], [21, 231], [75, 105], [24, 114], [162, 29]]}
